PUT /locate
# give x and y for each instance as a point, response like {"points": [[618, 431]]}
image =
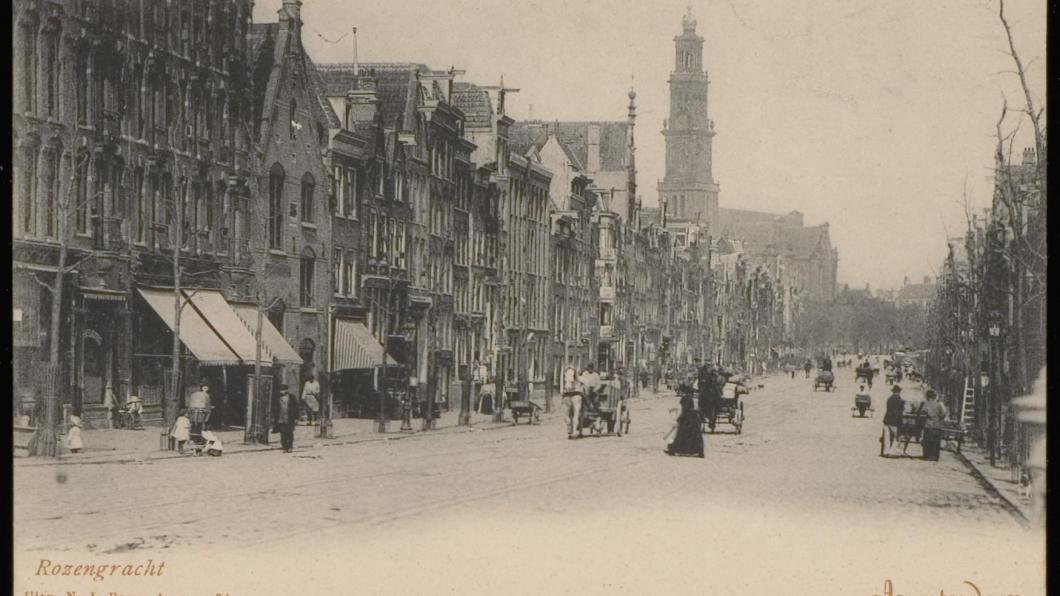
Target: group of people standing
{"points": [[190, 426]]}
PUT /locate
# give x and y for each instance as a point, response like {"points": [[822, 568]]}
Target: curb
{"points": [[129, 459], [1009, 505]]}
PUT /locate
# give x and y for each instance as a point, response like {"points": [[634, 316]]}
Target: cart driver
{"points": [[572, 398], [590, 381]]}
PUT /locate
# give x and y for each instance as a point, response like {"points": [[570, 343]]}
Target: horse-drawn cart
{"points": [[862, 404], [604, 411], [729, 408], [910, 430], [522, 408], [825, 379]]}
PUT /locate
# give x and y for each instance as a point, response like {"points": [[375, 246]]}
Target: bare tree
{"points": [[44, 441]]}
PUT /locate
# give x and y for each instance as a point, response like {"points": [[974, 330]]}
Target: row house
{"points": [[294, 194], [527, 289], [418, 172], [574, 292], [371, 209], [487, 126], [602, 152], [134, 172]]}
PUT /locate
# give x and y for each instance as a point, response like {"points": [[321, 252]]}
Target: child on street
{"points": [[181, 431]]}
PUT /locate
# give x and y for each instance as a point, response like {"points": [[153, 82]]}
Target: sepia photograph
{"points": [[418, 297]]}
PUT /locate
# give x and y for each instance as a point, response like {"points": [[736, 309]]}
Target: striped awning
{"points": [[271, 338], [195, 332], [214, 333], [356, 347]]}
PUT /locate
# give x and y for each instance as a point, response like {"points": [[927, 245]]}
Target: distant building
{"points": [[913, 294], [805, 251]]}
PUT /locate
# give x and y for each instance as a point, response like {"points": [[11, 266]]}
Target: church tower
{"points": [[688, 191]]}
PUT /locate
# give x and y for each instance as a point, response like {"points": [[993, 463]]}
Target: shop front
{"points": [[218, 348]]}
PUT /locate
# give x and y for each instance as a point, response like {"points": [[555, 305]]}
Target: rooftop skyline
{"points": [[871, 117]]}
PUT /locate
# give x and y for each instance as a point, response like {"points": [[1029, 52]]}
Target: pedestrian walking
{"points": [[73, 435], [689, 437], [935, 413], [892, 418], [286, 417], [806, 367], [310, 399], [181, 431]]}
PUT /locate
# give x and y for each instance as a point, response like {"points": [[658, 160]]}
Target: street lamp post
{"points": [[995, 393], [465, 394]]}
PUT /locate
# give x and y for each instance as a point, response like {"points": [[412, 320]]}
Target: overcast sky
{"points": [[868, 115]]}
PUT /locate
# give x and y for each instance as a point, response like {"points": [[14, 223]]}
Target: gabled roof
{"points": [[396, 86], [270, 44], [320, 90], [758, 236], [574, 136], [804, 241], [475, 103]]}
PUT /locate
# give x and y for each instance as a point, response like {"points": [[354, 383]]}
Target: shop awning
{"points": [[271, 338], [195, 333], [356, 347], [214, 333]]}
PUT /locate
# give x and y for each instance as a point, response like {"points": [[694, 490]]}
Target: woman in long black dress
{"points": [[689, 439]]}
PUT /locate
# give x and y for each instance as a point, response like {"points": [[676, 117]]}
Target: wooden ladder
{"points": [[968, 404]]}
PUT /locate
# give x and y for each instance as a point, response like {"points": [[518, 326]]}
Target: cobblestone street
{"points": [[802, 484]]}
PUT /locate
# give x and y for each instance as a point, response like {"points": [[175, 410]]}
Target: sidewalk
{"points": [[998, 479], [131, 446], [121, 446]]}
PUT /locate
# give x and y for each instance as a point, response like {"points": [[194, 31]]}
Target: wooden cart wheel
{"points": [[883, 439]]}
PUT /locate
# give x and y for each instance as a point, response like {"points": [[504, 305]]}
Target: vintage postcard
{"points": [[543, 297]]}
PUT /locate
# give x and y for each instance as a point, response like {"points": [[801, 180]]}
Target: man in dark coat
{"points": [[892, 418], [286, 408], [708, 394]]}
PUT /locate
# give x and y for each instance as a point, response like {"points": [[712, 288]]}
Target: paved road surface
{"points": [[800, 502]]}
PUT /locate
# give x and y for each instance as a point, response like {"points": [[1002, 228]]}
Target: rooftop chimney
{"points": [[905, 281], [1028, 156]]}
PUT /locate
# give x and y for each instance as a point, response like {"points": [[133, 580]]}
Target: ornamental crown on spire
{"points": [[689, 21]]}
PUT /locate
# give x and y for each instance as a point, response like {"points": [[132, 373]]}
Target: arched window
{"points": [[276, 181], [307, 266], [29, 68], [52, 68], [308, 184], [29, 192]]}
